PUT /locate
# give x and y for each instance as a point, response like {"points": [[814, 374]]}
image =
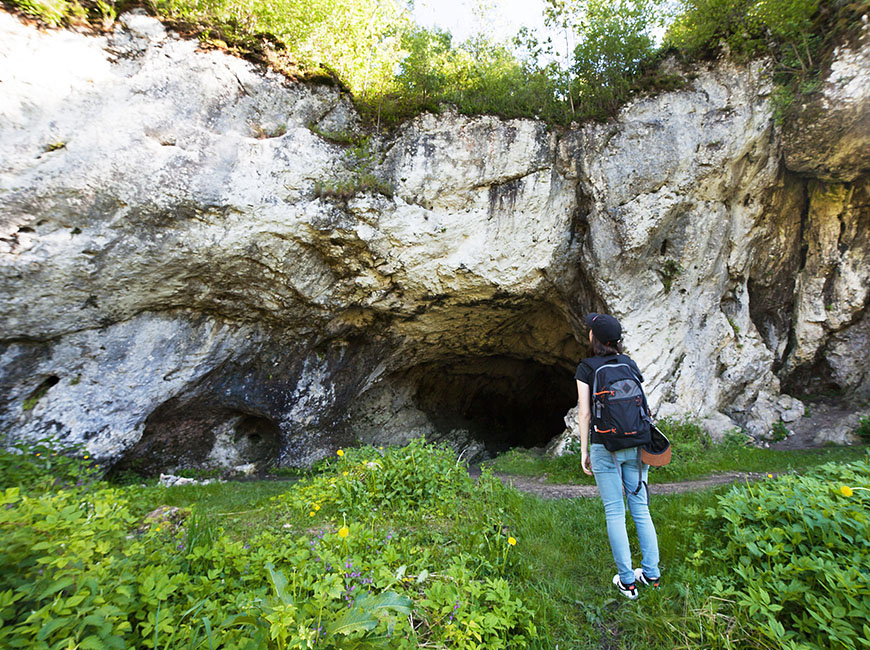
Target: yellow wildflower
{"points": [[846, 491], [512, 541], [770, 476], [343, 532], [310, 514], [344, 473], [317, 507], [340, 453]]}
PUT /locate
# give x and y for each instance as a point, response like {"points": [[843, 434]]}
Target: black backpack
{"points": [[620, 414]]}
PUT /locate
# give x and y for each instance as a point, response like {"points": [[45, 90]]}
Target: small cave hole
{"points": [[39, 392]]}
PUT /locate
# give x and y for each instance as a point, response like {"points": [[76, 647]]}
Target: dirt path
{"points": [[560, 491]]}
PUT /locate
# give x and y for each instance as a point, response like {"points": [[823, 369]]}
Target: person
{"points": [[616, 471]]}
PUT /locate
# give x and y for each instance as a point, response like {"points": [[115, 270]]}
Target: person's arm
{"points": [[584, 416]]}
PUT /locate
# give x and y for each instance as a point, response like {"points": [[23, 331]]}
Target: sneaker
{"points": [[629, 591], [646, 582]]}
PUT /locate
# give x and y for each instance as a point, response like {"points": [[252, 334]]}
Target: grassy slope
{"points": [[698, 464], [566, 566]]}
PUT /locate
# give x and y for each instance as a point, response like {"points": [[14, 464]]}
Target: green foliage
{"points": [[395, 479], [670, 271], [863, 430], [52, 12], [746, 26], [395, 69], [694, 455], [780, 432], [614, 47], [78, 566], [791, 554], [243, 571], [43, 465]]}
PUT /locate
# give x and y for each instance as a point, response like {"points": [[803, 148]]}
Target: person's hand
{"points": [[586, 462]]}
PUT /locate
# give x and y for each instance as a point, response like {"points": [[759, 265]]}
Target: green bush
{"points": [[863, 430], [80, 567], [748, 27], [397, 479], [44, 464], [793, 555]]}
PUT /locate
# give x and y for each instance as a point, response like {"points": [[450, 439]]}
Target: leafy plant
{"points": [[779, 431], [789, 555], [863, 430], [44, 464], [670, 271], [394, 479]]}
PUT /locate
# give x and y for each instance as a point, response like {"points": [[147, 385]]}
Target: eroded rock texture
{"points": [[187, 281]]}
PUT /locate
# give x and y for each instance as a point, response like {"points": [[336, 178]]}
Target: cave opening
{"points": [[502, 402], [200, 434]]}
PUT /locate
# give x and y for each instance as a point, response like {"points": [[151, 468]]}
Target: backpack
{"points": [[620, 414]]}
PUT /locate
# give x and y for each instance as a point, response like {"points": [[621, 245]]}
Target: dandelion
{"points": [[770, 476], [317, 507], [344, 473], [340, 453], [512, 541], [311, 514], [343, 532], [846, 491]]}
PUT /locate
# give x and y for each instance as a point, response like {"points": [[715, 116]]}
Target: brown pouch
{"points": [[657, 452]]}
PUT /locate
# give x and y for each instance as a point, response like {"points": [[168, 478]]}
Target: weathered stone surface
{"points": [[829, 137], [718, 425], [182, 283]]}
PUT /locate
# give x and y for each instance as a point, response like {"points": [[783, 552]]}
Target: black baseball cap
{"points": [[605, 328]]}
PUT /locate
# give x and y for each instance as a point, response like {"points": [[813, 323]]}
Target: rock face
{"points": [[187, 279]]}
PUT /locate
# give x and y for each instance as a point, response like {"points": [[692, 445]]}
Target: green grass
{"points": [[563, 570], [439, 523], [694, 456]]}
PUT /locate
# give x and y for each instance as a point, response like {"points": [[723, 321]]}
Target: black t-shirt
{"points": [[586, 368], [586, 373]]}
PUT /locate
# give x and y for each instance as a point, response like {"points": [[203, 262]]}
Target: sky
{"points": [[502, 21], [458, 17]]}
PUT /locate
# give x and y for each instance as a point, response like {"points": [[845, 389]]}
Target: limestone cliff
{"points": [[195, 268]]}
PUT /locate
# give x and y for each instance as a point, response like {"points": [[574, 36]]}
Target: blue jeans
{"points": [[611, 490]]}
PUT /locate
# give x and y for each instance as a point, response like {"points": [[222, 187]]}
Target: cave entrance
{"points": [[199, 434], [502, 402]]}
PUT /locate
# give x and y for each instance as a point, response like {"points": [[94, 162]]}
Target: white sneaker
{"points": [[646, 582], [629, 591]]}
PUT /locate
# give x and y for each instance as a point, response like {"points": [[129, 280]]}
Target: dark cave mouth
{"points": [[504, 403], [187, 434]]}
